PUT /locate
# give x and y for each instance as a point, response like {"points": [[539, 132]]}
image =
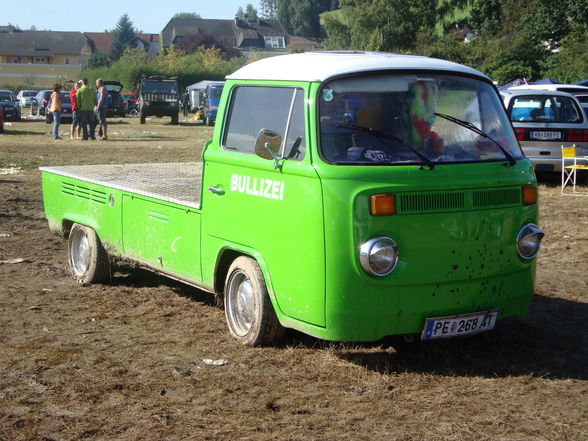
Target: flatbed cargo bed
{"points": [[178, 182]]}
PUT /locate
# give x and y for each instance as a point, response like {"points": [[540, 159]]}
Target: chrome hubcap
{"points": [[240, 305], [80, 252]]}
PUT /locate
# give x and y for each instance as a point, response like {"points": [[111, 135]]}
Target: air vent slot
{"points": [[494, 198], [419, 202], [84, 192]]}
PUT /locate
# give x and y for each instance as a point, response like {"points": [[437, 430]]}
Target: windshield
{"points": [[407, 115], [6, 96], [544, 108], [159, 87], [216, 91]]}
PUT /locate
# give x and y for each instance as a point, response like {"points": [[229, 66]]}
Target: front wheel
{"points": [[88, 259], [249, 312]]}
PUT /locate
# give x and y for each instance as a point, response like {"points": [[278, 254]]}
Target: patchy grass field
{"points": [[125, 361]]}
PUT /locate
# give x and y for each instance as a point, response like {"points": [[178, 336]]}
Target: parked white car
{"points": [[580, 92], [24, 97], [545, 120]]}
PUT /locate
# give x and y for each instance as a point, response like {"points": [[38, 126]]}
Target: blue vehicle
{"points": [[209, 102]]}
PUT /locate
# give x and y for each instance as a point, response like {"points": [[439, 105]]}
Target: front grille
{"points": [[418, 202], [159, 96], [495, 198], [427, 202]]}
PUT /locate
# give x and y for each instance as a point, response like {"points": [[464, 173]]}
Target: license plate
{"points": [[546, 135], [456, 325]]}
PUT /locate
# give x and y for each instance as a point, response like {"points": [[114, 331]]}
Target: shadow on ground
{"points": [[550, 343]]}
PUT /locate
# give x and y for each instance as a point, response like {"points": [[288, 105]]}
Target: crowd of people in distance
{"points": [[88, 107]]}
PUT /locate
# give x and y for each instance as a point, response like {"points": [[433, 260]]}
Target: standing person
{"points": [[76, 128], [55, 109], [185, 103], [101, 103], [85, 101]]}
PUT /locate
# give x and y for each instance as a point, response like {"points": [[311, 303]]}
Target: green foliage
{"points": [[268, 9], [187, 15], [98, 59], [337, 30], [388, 25], [124, 37], [511, 38], [205, 64], [571, 63], [302, 17]]}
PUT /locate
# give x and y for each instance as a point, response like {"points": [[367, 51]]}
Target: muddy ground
{"points": [[129, 360]]}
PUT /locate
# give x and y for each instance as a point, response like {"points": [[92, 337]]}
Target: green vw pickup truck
{"points": [[350, 196]]}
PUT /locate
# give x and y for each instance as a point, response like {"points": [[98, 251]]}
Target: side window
{"points": [[280, 109]]}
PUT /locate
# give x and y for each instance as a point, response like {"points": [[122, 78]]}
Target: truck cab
{"points": [[350, 196]]}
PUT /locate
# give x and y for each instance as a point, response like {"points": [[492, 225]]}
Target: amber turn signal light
{"points": [[529, 194], [382, 204]]}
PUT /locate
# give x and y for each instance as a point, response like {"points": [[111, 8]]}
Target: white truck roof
{"points": [[320, 66]]}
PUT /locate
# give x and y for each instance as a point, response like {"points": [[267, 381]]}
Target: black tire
{"points": [[251, 318], [141, 117], [88, 260]]}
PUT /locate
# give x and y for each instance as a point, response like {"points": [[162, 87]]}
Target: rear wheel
{"points": [[88, 260], [249, 312]]}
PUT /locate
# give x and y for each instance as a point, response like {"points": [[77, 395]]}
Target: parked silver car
{"points": [[25, 97], [544, 121]]}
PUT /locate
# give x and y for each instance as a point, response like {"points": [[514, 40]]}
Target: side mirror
{"points": [[268, 144]]}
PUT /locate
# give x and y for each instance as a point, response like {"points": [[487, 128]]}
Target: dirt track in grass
{"points": [[126, 360]]}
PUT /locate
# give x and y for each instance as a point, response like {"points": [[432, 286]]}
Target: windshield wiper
{"points": [[379, 133], [473, 128]]}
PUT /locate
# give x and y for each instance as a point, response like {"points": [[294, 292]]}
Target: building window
{"points": [[67, 61], [39, 60], [274, 42]]}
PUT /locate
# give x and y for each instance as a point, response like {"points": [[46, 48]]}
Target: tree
{"points": [[187, 15], [250, 13], [268, 9], [552, 20], [301, 17], [98, 59], [387, 25], [124, 37]]}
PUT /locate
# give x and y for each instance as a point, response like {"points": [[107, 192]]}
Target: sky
{"points": [[149, 16]]}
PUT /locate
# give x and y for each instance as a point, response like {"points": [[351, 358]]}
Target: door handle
{"points": [[216, 190]]}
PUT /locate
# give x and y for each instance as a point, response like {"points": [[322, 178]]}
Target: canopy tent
{"points": [[523, 81], [517, 82], [546, 81]]}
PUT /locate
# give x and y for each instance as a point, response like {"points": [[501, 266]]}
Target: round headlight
{"points": [[378, 256], [529, 241]]}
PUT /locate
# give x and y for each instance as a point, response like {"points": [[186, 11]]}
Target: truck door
{"points": [[272, 209]]}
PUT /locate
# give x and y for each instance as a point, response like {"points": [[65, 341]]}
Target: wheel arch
{"points": [[226, 256]]}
